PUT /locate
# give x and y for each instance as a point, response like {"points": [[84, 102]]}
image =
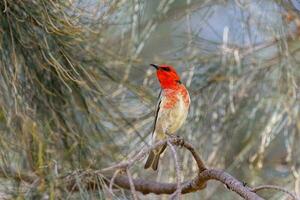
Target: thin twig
{"points": [[175, 141], [274, 187], [132, 188], [112, 181], [123, 165], [178, 172], [200, 163]]}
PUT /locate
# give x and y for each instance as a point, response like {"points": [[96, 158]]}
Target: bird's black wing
{"points": [[157, 110]]}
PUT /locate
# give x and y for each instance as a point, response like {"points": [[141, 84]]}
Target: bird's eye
{"points": [[166, 69]]}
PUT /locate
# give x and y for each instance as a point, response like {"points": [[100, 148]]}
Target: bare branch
{"points": [[274, 187], [112, 181], [188, 146], [132, 188], [148, 186], [123, 165], [178, 172], [196, 184], [89, 178]]}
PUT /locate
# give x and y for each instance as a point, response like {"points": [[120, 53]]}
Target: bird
{"points": [[171, 110]]}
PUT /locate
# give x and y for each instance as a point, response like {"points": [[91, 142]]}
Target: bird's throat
{"points": [[169, 84]]}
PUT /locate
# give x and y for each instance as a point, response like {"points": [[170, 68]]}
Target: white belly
{"points": [[177, 116], [170, 120]]}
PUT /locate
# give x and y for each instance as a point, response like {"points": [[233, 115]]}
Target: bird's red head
{"points": [[167, 76]]}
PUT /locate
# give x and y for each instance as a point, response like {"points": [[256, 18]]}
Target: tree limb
{"points": [[196, 184], [89, 178]]}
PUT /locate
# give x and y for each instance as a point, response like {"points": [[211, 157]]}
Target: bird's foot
{"points": [[178, 140]]}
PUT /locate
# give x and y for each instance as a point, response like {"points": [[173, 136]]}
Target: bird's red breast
{"points": [[173, 96]]}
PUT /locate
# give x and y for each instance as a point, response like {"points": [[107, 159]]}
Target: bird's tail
{"points": [[153, 158]]}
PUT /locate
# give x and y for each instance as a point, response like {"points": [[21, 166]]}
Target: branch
{"points": [[90, 178], [148, 186], [178, 175], [131, 184], [141, 154], [112, 181], [274, 187]]}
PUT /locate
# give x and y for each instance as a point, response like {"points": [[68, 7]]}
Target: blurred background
{"points": [[77, 92]]}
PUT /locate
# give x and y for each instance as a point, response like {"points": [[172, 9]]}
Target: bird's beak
{"points": [[155, 66]]}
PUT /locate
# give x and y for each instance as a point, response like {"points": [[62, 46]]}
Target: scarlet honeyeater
{"points": [[171, 110]]}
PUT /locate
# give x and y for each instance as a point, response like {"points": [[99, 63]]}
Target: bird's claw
{"points": [[178, 140]]}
